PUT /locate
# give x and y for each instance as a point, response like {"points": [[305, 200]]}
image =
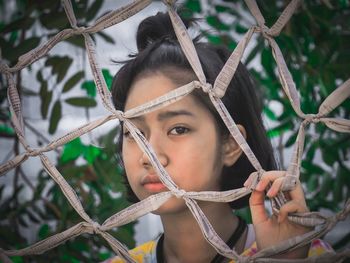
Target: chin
{"points": [[173, 206]]}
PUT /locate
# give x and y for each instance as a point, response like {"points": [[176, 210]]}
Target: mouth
{"points": [[152, 183]]}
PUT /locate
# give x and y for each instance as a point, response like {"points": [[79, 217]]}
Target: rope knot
{"points": [[79, 30], [33, 152], [96, 227], [207, 87], [180, 193], [312, 118], [119, 114], [265, 31]]}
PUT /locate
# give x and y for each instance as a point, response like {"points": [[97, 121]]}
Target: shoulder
{"points": [[145, 252]]}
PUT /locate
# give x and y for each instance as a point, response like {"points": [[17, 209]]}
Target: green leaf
{"points": [[213, 39], [312, 183], [6, 130], [194, 5], [46, 97], [245, 214], [93, 9], [106, 37], [60, 66], [72, 150], [108, 78], [44, 231], [56, 115], [39, 76], [270, 114], [215, 22], [327, 185], [312, 168], [241, 29], [274, 132], [291, 140], [267, 61], [330, 155], [91, 153], [17, 259], [70, 83], [22, 48], [338, 188], [221, 8], [90, 88], [104, 256], [311, 151], [13, 36], [19, 24], [54, 20], [81, 102], [77, 41]]}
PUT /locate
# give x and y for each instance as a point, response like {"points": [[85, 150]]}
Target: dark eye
{"points": [[127, 135], [179, 130]]}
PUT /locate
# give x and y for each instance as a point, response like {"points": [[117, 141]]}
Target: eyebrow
{"points": [[167, 115], [171, 114]]}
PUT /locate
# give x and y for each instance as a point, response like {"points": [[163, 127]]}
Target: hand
{"points": [[272, 230]]}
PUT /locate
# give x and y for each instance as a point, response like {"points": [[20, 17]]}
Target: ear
{"points": [[231, 150]]}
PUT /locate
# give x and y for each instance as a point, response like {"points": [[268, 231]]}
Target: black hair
{"points": [[159, 51]]}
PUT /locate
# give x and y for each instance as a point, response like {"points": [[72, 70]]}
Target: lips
{"points": [[152, 183]]}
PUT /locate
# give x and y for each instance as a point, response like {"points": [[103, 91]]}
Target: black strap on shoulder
{"points": [[159, 249], [231, 242]]}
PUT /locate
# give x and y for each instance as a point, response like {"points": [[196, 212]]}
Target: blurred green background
{"points": [[315, 44]]}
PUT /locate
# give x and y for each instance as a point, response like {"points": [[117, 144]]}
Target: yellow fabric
{"points": [[139, 253]]}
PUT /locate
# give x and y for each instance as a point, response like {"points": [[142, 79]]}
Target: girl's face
{"points": [[184, 137]]}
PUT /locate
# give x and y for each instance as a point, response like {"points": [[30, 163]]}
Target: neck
{"points": [[183, 239]]}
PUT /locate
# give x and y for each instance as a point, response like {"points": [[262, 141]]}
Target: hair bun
{"points": [[154, 28]]}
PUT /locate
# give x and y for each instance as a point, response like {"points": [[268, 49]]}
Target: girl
{"points": [[196, 149]]}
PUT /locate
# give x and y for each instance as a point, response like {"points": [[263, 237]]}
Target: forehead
{"points": [[151, 87]]}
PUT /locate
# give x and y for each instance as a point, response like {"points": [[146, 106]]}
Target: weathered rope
{"points": [[320, 223]]}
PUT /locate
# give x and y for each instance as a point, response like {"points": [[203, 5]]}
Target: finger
{"points": [[267, 178], [290, 207], [257, 207], [275, 187], [297, 194]]}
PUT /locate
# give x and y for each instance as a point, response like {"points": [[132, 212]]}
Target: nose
{"points": [[160, 154]]}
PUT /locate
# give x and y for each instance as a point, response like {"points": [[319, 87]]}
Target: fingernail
{"points": [[269, 193]]}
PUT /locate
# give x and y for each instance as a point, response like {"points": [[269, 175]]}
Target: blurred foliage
{"points": [[316, 46], [37, 207]]}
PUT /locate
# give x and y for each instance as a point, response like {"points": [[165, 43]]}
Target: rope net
{"points": [[319, 223]]}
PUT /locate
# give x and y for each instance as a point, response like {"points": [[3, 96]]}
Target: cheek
{"points": [[197, 165], [129, 159]]}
